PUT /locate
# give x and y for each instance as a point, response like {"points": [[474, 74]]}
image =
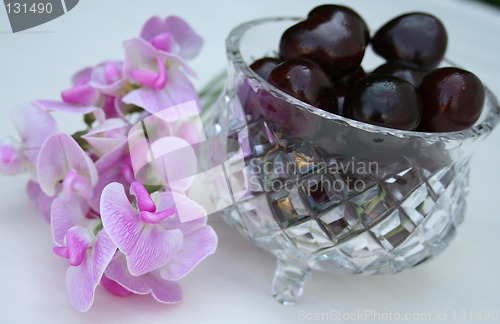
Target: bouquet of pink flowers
{"points": [[113, 229]]}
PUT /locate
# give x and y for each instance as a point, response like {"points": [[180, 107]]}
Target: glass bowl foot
{"points": [[288, 282]]}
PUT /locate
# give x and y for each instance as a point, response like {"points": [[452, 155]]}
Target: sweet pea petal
{"points": [[113, 128], [64, 215], [61, 251], [143, 56], [50, 105], [117, 271], [105, 178], [176, 62], [120, 108], [189, 41], [112, 159], [107, 136], [147, 78], [82, 280], [155, 79], [178, 90], [187, 209], [11, 162], [75, 183], [80, 95], [59, 154], [78, 240], [82, 76], [43, 201], [163, 42], [153, 27], [34, 125], [110, 168], [183, 205], [197, 246], [112, 71], [146, 246], [139, 55], [114, 287], [151, 100], [155, 218], [162, 290], [144, 201], [108, 78], [153, 248]]}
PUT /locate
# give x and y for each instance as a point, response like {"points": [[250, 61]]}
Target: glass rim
{"points": [[489, 118]]}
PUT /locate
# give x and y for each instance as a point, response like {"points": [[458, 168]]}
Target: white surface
{"points": [[233, 285]]}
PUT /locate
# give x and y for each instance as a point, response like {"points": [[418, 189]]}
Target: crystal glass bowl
{"points": [[323, 192]]}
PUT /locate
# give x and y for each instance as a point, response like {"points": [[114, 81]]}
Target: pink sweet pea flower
{"points": [[11, 159], [108, 78], [159, 75], [81, 93], [151, 236], [95, 90], [64, 170], [34, 126], [146, 245], [63, 167], [89, 255], [173, 35], [80, 99]]}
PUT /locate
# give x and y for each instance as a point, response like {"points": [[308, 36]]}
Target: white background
{"points": [[233, 285]]}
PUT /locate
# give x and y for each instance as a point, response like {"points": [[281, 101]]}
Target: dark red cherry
{"points": [[343, 84], [264, 66], [418, 38], [349, 80], [333, 36], [383, 100], [402, 70], [248, 95], [325, 12], [249, 100], [306, 81], [452, 100]]}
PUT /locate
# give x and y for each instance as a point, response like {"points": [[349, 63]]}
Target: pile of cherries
{"points": [[320, 63]]}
